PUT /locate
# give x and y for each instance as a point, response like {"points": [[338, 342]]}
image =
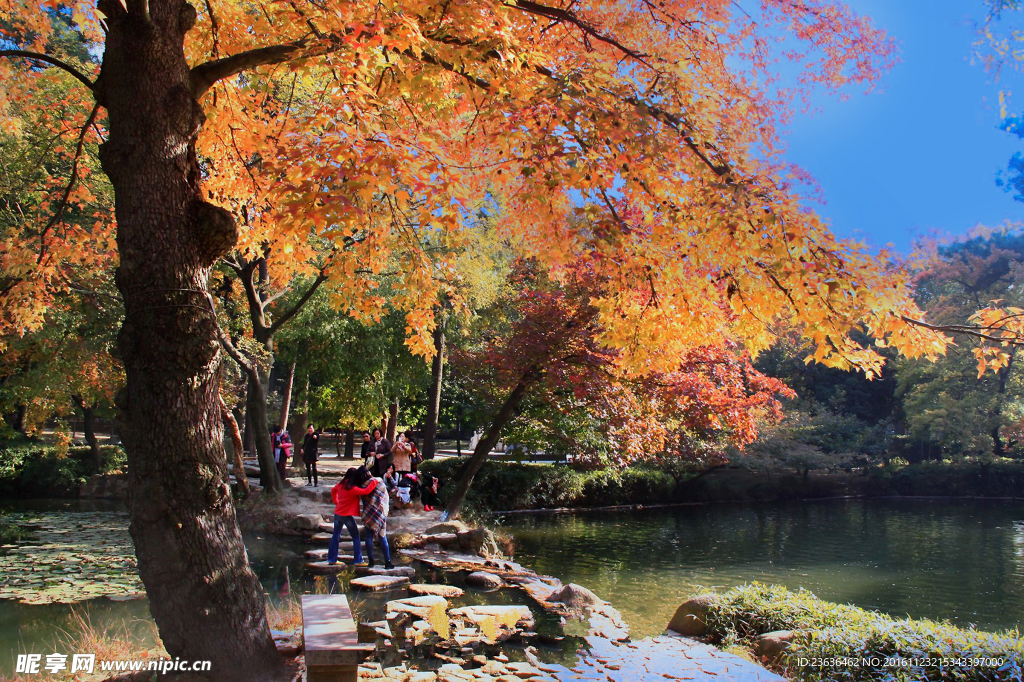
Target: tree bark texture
{"points": [[434, 398], [297, 432], [392, 424], [231, 424], [350, 441], [256, 408], [483, 447], [89, 430], [286, 397], [206, 601]]}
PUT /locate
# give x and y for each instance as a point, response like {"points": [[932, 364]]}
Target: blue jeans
{"points": [[382, 539], [353, 530]]}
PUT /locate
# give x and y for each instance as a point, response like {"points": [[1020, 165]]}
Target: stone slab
{"points": [[656, 659], [321, 555], [324, 567], [329, 633], [447, 591], [375, 583], [417, 606], [407, 571], [325, 538]]}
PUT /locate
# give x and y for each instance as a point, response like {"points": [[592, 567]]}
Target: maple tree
{"points": [[546, 363], [967, 403], [403, 117]]}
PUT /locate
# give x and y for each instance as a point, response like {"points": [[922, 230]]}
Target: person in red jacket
{"points": [[346, 494]]}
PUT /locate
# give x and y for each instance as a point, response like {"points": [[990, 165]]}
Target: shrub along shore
{"points": [[806, 638], [511, 486], [35, 470]]}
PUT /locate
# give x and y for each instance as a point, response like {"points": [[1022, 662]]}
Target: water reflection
{"points": [[959, 560]]}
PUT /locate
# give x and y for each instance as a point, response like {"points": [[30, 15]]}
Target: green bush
{"points": [[828, 631], [44, 471], [965, 477], [509, 486]]}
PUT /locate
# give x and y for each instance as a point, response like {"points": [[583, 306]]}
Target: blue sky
{"points": [[921, 152]]}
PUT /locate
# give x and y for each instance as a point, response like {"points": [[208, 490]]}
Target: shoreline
{"points": [[704, 503]]}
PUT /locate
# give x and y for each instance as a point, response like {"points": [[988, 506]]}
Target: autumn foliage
{"points": [[377, 128], [711, 398]]}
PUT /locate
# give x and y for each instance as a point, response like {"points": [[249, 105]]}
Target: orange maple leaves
{"points": [[383, 128]]}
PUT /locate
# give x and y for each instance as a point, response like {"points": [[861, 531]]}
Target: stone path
{"points": [[610, 655]]}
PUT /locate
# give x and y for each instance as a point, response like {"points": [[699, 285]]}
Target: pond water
{"points": [[279, 563], [961, 560]]}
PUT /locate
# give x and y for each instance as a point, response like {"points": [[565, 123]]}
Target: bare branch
{"points": [[50, 60]]}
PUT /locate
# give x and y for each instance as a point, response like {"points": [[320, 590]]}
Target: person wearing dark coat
{"points": [[382, 456], [310, 454], [367, 447]]}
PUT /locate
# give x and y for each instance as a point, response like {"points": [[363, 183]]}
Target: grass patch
{"points": [[824, 630]]}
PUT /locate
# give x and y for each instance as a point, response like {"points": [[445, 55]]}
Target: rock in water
{"points": [[447, 527], [576, 597], [691, 616], [446, 591], [375, 583], [484, 579], [324, 567], [407, 571]]}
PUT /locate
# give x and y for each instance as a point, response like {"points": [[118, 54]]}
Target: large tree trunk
{"points": [[286, 398], [206, 601], [434, 398], [350, 441], [392, 425], [483, 447], [256, 408], [297, 432]]}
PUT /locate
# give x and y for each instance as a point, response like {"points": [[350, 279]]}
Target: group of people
{"points": [[394, 464], [397, 464], [281, 443]]}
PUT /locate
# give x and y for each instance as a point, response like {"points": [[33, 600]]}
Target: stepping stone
{"points": [[417, 606], [321, 555], [325, 538], [507, 615], [324, 567], [447, 591], [375, 583], [407, 571], [325, 527], [484, 579]]}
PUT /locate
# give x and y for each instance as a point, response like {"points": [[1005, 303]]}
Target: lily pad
{"points": [[66, 557]]}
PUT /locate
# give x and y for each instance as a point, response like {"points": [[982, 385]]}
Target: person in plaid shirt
{"points": [[375, 517]]}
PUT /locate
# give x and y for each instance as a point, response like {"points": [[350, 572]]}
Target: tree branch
{"points": [[277, 324], [236, 355], [59, 213], [203, 76], [975, 331], [52, 61]]}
